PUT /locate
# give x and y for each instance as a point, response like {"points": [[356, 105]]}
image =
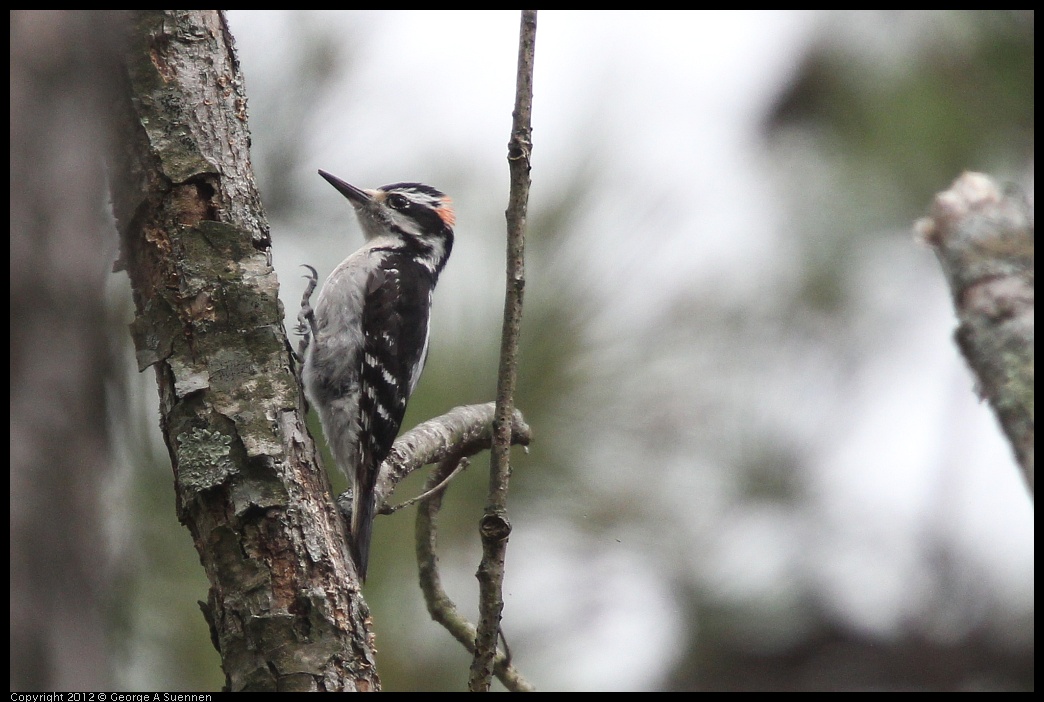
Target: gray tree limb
{"points": [[983, 238], [284, 606]]}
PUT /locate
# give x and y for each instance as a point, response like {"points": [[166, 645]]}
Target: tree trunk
{"points": [[284, 607]]}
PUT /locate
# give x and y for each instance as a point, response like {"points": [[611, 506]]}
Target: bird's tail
{"points": [[362, 530]]}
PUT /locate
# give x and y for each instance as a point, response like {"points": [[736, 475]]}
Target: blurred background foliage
{"points": [[758, 460]]}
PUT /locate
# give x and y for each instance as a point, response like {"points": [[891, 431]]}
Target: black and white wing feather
{"points": [[395, 346]]}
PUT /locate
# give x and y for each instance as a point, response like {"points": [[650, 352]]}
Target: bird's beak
{"points": [[358, 198]]}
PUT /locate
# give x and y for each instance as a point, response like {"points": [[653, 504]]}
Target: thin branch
{"points": [[983, 238], [494, 526], [431, 492], [440, 606], [447, 440]]}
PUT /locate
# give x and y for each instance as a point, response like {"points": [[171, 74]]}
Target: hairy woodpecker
{"points": [[366, 341]]}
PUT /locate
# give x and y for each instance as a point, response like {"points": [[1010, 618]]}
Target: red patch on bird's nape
{"points": [[446, 213]]}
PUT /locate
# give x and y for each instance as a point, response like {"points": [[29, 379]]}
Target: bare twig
{"points": [[428, 492], [494, 526], [440, 606], [447, 440], [984, 240]]}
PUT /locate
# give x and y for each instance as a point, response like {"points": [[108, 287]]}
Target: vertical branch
{"points": [[495, 527]]}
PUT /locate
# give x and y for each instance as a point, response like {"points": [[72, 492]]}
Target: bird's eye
{"points": [[397, 202]]}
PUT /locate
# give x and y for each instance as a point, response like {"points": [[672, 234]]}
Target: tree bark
{"points": [[284, 607], [983, 238]]}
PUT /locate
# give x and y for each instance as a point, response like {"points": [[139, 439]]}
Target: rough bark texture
{"points": [[984, 240], [284, 607]]}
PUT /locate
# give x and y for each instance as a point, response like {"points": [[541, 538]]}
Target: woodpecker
{"points": [[365, 343]]}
